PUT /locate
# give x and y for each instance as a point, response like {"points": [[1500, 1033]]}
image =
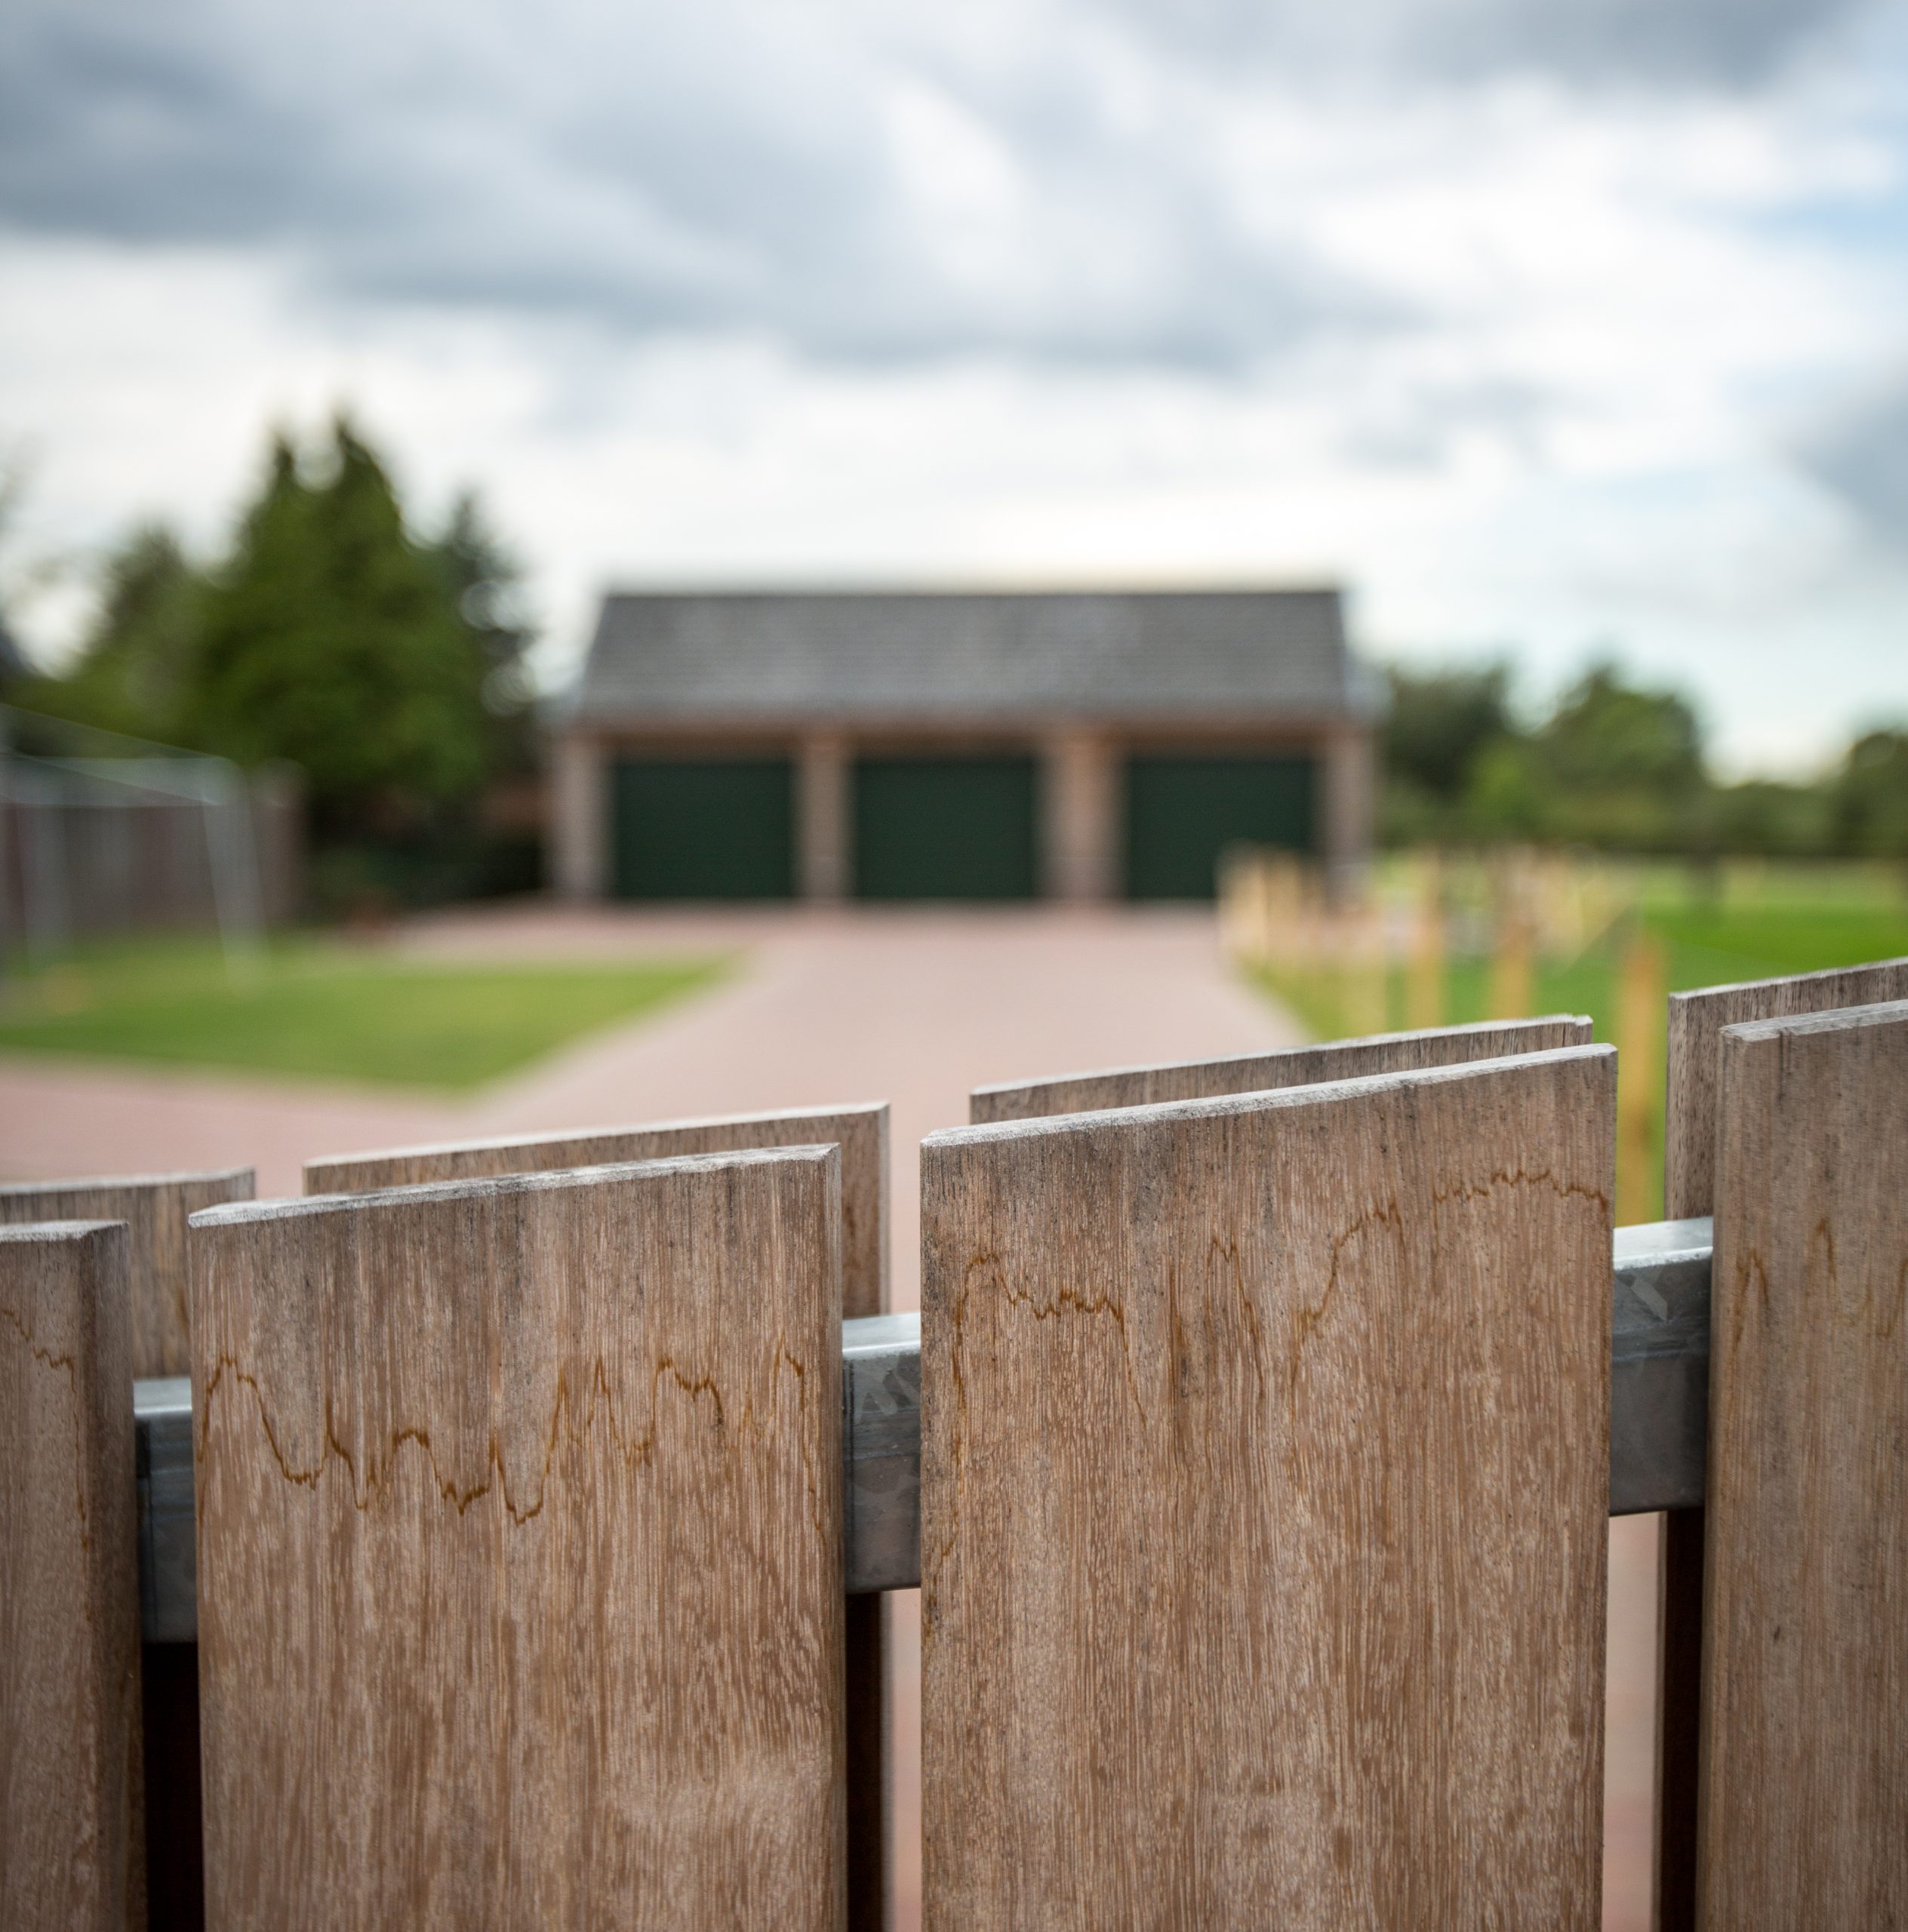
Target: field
{"points": [[309, 1008], [1740, 922]]}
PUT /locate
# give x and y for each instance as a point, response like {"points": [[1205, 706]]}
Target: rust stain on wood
{"points": [[1312, 1636], [155, 1208], [434, 1698]]}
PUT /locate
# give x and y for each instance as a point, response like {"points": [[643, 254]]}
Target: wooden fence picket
{"points": [[520, 1551], [1265, 1480], [1289, 1066], [861, 1132], [156, 1207], [1696, 1022], [71, 1840], [1804, 1806]]}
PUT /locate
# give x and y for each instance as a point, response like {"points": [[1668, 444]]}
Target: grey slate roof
{"points": [[1248, 654]]}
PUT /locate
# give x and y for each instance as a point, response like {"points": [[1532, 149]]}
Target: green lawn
{"points": [[312, 1008], [1763, 921]]}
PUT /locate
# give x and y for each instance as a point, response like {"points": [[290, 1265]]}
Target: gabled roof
{"points": [[1248, 654]]}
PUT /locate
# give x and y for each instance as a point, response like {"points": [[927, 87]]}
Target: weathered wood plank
{"points": [[520, 1550], [1695, 1026], [1696, 1022], [72, 1838], [1290, 1067], [155, 1207], [1804, 1810], [1265, 1471], [861, 1131]]}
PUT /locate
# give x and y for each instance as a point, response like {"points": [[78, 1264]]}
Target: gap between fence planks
{"points": [[1265, 1462], [520, 1549], [1290, 1067], [1804, 1809], [861, 1132], [1696, 1022], [71, 1837], [156, 1208]]}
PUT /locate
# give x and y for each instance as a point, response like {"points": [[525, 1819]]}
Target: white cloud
{"points": [[1527, 345]]}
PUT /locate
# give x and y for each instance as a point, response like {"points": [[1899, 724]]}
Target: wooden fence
{"points": [[511, 1556]]}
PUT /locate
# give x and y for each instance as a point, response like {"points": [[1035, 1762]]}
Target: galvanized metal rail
{"points": [[1659, 1422]]}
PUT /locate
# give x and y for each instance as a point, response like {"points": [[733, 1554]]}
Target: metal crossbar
{"points": [[1659, 1421]]}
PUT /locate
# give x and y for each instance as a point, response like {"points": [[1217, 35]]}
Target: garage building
{"points": [[957, 745]]}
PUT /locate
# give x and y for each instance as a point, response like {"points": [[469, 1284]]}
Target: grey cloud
{"points": [[1863, 456], [729, 166], [723, 167], [1636, 44]]}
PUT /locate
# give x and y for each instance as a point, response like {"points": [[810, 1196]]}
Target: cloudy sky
{"points": [[1548, 325]]}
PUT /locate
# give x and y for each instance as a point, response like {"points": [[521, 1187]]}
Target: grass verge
{"points": [[309, 1008]]}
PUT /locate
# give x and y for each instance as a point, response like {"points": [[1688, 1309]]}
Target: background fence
{"points": [[101, 836], [1253, 1450]]}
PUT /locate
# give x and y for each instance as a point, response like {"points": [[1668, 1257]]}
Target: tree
{"points": [[134, 671], [1439, 722], [1869, 796], [334, 640], [1623, 763], [1606, 735], [486, 582], [1439, 726]]}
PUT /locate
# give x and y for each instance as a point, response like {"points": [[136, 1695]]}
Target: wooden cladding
{"points": [[520, 1549], [1264, 1485], [72, 1829]]}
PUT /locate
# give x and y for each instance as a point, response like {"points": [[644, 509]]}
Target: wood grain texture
{"points": [[71, 1835], [861, 1131], [1696, 1022], [1265, 1476], [1804, 1811], [1695, 1027], [1290, 1066], [155, 1208], [520, 1551]]}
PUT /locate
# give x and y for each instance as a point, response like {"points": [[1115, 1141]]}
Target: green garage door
{"points": [[1182, 813], [703, 828], [944, 828]]}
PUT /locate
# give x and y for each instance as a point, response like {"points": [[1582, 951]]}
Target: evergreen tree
{"points": [[134, 672], [332, 640], [485, 581]]}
